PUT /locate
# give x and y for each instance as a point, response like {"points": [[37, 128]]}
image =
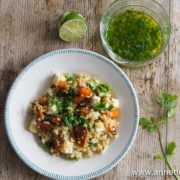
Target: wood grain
{"points": [[28, 30]]}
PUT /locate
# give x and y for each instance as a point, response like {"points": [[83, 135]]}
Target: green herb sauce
{"points": [[134, 35]]}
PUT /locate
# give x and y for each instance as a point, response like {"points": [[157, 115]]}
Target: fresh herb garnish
{"points": [[102, 106], [103, 88], [167, 103], [57, 102], [71, 120], [99, 88], [148, 124], [158, 157], [72, 158], [69, 77], [90, 144], [170, 148]]}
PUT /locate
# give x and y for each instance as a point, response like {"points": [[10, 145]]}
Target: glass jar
{"points": [[149, 7]]}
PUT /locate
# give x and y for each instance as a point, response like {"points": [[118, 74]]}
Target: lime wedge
{"points": [[71, 15], [71, 26], [72, 30]]}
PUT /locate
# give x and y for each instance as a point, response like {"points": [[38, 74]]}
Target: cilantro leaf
{"points": [[170, 148], [158, 157], [148, 124], [167, 101], [163, 119]]}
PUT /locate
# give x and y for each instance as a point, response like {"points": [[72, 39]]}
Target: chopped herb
{"points": [[91, 125], [102, 106], [110, 107], [93, 85], [57, 102], [72, 158], [102, 88], [99, 88], [90, 144], [69, 77]]}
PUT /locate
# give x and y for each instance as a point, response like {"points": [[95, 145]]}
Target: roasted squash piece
{"points": [[81, 135]]}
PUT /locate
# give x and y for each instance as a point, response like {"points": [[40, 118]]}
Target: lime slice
{"points": [[71, 26], [72, 30], [71, 15]]}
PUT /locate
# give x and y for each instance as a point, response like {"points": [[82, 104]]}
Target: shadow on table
{"points": [[9, 163]]}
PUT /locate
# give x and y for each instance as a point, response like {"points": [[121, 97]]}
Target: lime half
{"points": [[71, 26]]}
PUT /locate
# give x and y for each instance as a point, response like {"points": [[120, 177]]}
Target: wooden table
{"points": [[28, 30]]}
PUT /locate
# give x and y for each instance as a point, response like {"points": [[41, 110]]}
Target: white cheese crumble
{"points": [[94, 115], [67, 147], [56, 131], [33, 127], [99, 127], [95, 100], [52, 109], [115, 102], [83, 84], [58, 77]]}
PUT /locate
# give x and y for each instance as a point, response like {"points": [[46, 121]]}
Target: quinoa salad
{"points": [[76, 117]]}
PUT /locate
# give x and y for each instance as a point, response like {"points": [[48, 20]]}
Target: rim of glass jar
{"points": [[127, 62]]}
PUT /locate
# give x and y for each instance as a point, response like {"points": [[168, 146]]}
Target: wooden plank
{"points": [[28, 30], [174, 78], [148, 82]]}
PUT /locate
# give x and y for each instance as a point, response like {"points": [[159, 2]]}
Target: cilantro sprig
{"points": [[167, 103]]}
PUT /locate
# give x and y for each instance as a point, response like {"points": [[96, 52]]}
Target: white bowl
{"points": [[35, 78]]}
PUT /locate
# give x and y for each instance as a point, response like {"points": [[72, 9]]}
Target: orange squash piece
{"points": [[84, 111], [115, 113], [43, 100], [62, 85], [84, 91], [81, 135], [78, 100]]}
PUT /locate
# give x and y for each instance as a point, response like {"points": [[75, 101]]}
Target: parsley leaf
{"points": [[158, 156], [148, 124], [170, 148], [167, 101]]}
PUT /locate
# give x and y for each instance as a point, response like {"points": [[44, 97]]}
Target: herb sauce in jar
{"points": [[134, 35]]}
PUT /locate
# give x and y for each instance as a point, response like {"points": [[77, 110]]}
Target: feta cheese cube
{"points": [[67, 147], [115, 102], [99, 127], [58, 77], [93, 115], [95, 100], [52, 109]]}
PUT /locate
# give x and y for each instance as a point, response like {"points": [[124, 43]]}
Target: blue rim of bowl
{"points": [[98, 172]]}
